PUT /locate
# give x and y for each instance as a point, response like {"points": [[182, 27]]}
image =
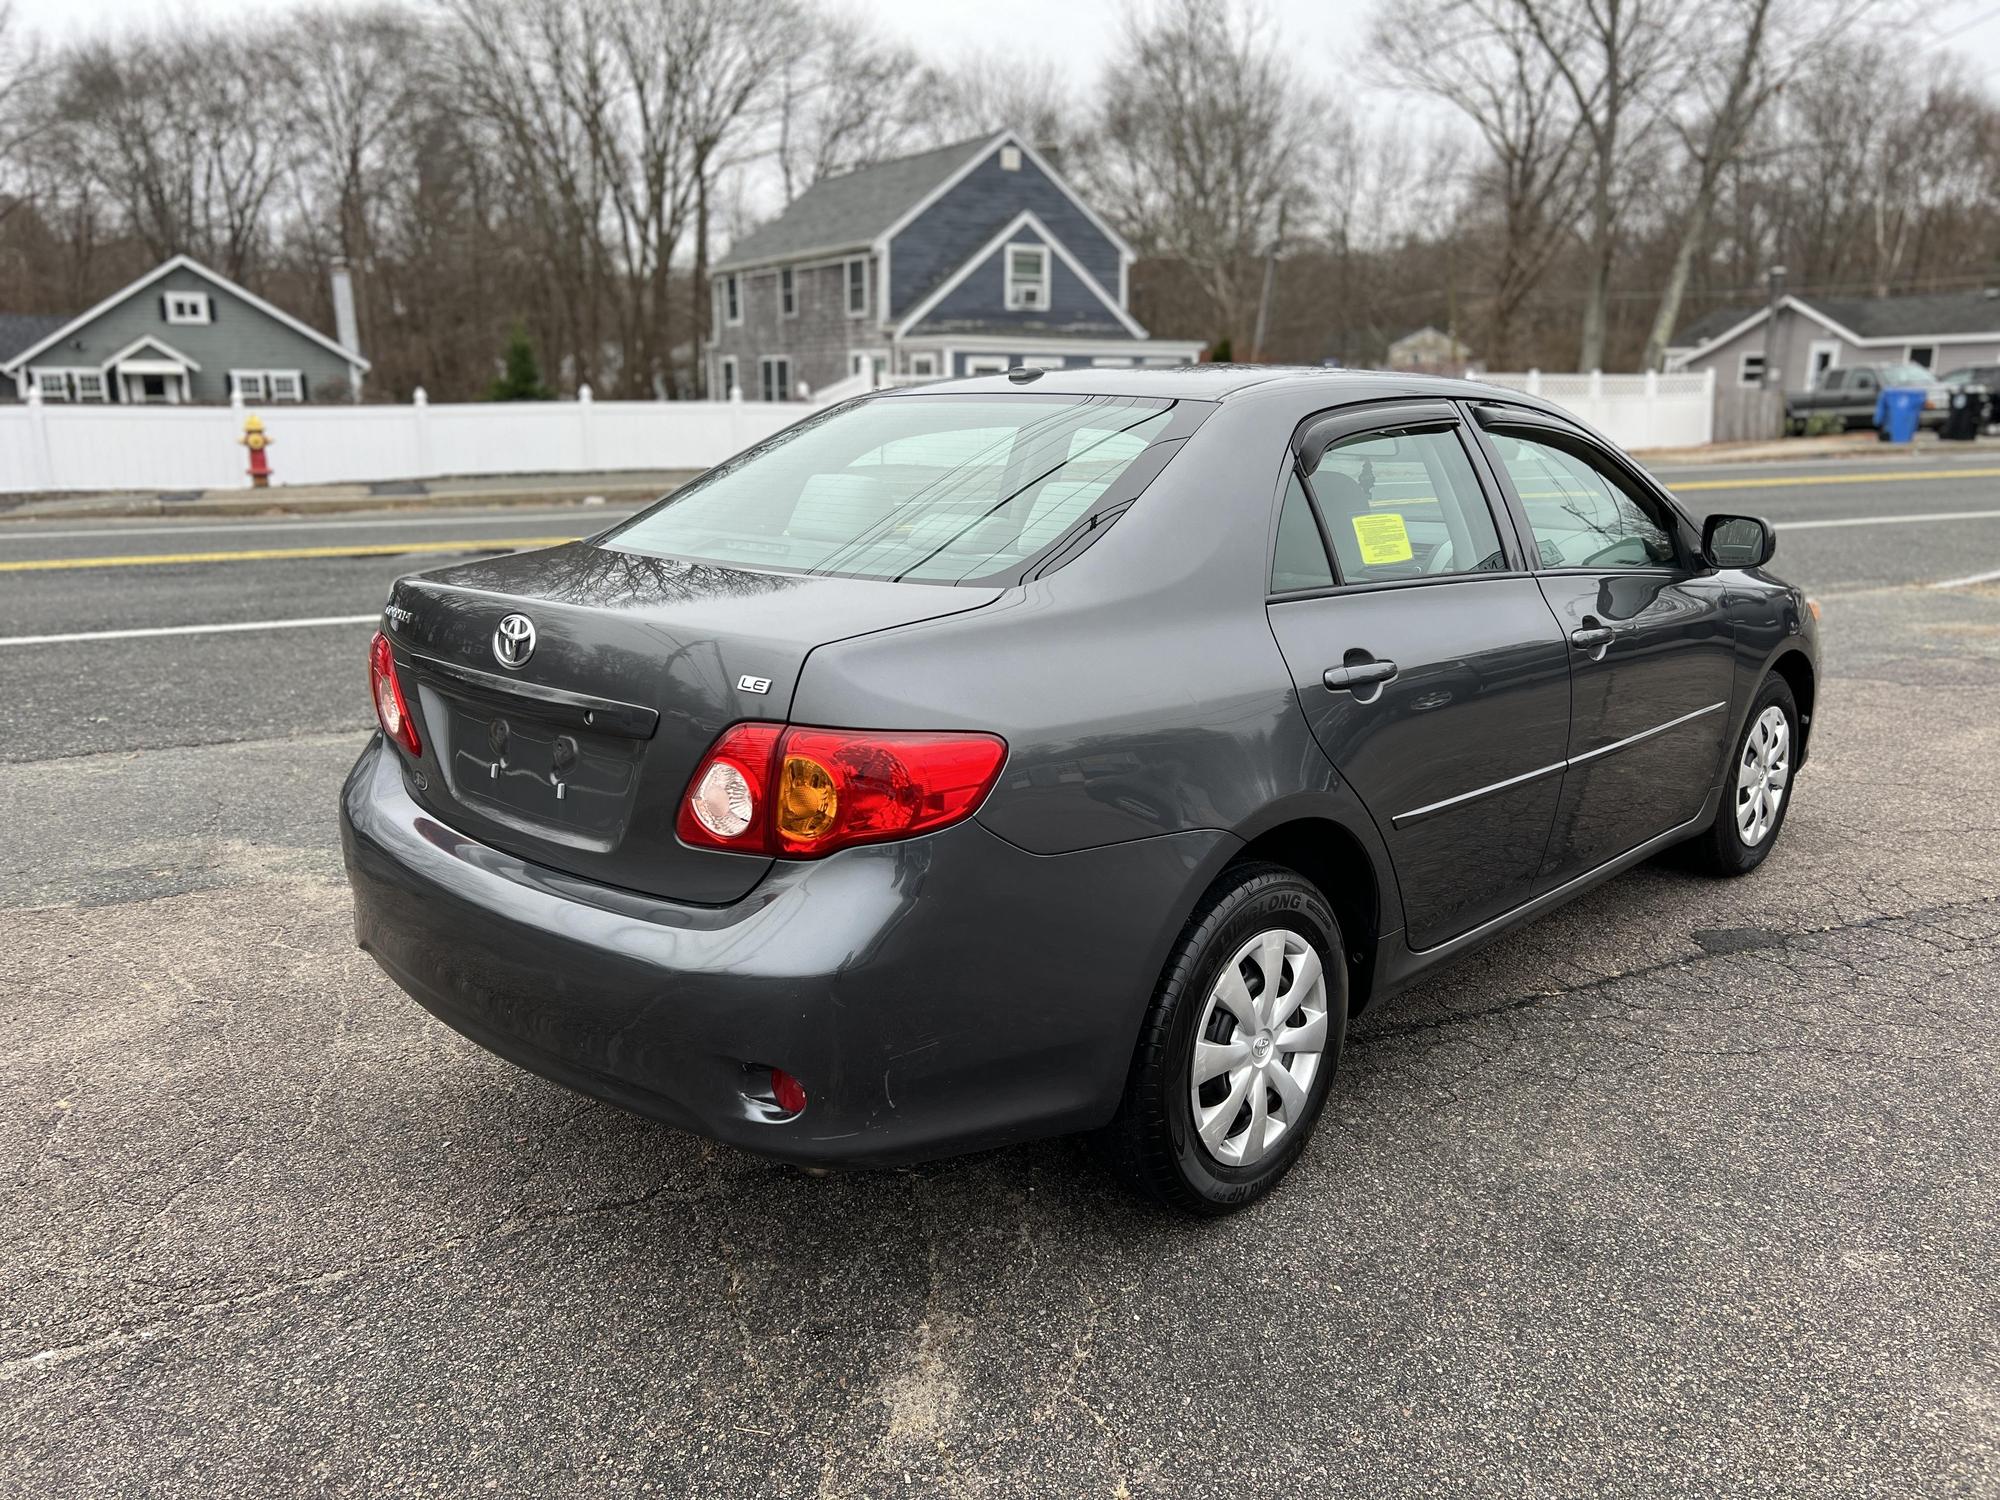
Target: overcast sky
{"points": [[1323, 35]]}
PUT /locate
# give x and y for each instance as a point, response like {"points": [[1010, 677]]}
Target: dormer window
{"points": [[1027, 277], [187, 307]]}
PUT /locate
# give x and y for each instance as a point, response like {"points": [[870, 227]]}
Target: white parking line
{"points": [[164, 630], [1905, 520], [1969, 580], [175, 528]]}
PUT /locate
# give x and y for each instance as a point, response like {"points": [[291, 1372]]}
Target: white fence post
{"points": [[1651, 420], [41, 464], [1534, 382], [1597, 385], [420, 422], [1708, 405], [586, 441]]}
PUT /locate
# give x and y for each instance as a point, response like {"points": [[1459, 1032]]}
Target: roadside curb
{"points": [[337, 500]]}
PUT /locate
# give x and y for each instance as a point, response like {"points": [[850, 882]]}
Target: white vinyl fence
{"points": [[1634, 411], [56, 447]]}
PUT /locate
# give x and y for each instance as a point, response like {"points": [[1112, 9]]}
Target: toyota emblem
{"points": [[514, 641]]}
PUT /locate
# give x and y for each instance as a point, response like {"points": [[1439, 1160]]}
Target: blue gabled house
{"points": [[972, 258]]}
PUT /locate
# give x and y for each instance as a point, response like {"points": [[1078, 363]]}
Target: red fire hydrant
{"points": [[257, 442]]}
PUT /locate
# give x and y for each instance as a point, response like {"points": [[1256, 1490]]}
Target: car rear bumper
{"points": [[937, 996]]}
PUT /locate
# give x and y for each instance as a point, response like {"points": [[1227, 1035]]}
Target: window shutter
{"points": [[213, 308]]}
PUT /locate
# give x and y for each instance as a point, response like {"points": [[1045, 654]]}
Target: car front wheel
{"points": [[1757, 791], [1239, 1047]]}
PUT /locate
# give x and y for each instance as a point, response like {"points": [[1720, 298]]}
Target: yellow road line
{"points": [[1776, 482], [272, 554]]}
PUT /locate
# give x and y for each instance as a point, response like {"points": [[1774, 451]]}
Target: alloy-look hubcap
{"points": [[1761, 778], [1258, 1047]]}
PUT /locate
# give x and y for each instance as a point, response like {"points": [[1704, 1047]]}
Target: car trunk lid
{"points": [[578, 757]]}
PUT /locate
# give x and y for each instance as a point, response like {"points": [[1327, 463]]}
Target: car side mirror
{"points": [[1737, 542]]}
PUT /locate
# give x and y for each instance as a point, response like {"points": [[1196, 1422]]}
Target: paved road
{"points": [[1691, 1189]]}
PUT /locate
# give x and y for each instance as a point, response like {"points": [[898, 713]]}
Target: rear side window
{"points": [[927, 489], [1406, 505], [1300, 560], [1581, 515]]}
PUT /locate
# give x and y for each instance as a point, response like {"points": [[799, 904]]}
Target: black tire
{"points": [[1152, 1141], [1722, 849]]}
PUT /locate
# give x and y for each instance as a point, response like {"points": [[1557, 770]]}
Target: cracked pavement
{"points": [[1690, 1189]]}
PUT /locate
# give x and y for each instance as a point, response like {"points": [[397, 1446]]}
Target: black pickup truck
{"points": [[1850, 393]]}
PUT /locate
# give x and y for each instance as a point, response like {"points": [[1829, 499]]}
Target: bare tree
{"points": [[24, 71], [846, 97], [982, 95], [1619, 61], [173, 129], [1204, 133], [1482, 58], [1765, 48]]}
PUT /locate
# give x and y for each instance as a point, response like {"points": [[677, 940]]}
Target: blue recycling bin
{"points": [[1897, 411]]}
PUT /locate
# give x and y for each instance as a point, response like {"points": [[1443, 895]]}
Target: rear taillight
{"points": [[390, 709], [802, 793]]}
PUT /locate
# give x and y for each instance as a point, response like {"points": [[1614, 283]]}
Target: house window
{"points": [[187, 307], [732, 301], [1027, 277], [788, 295], [1750, 370], [985, 364], [268, 385], [1924, 354], [729, 392], [774, 372], [923, 364], [90, 385], [857, 288], [1010, 158], [53, 384]]}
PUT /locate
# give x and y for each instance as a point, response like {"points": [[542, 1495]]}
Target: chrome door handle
{"points": [[1591, 637], [1362, 674]]}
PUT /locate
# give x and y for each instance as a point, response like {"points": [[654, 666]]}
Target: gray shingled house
{"points": [[1942, 331], [179, 334], [974, 257]]}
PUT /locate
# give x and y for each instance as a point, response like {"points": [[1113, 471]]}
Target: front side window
{"points": [[925, 489], [1405, 505], [1299, 561], [1581, 514], [1027, 277]]}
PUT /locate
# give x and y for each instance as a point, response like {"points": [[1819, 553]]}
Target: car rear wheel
{"points": [[1238, 1049], [1757, 792]]}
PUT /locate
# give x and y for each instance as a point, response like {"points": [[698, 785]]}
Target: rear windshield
{"points": [[937, 489]]}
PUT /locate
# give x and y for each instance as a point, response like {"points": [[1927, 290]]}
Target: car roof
{"points": [[1220, 382]]}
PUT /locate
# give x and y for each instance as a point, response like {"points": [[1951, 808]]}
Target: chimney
{"points": [[347, 333]]}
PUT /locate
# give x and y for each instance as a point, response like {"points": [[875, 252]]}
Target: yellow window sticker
{"points": [[1382, 538]]}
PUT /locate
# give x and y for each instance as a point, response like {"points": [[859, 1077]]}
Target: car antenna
{"points": [[1022, 374]]}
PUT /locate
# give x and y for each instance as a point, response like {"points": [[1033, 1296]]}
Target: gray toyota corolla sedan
{"points": [[1062, 751]]}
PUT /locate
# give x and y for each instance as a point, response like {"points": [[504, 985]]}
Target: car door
{"points": [[1425, 658], [1650, 636]]}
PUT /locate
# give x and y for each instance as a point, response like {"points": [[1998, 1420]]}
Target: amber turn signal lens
{"points": [[808, 801], [1813, 605]]}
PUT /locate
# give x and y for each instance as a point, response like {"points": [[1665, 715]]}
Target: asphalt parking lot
{"points": [[1692, 1189]]}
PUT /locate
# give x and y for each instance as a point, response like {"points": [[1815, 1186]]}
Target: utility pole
{"points": [[1264, 301]]}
